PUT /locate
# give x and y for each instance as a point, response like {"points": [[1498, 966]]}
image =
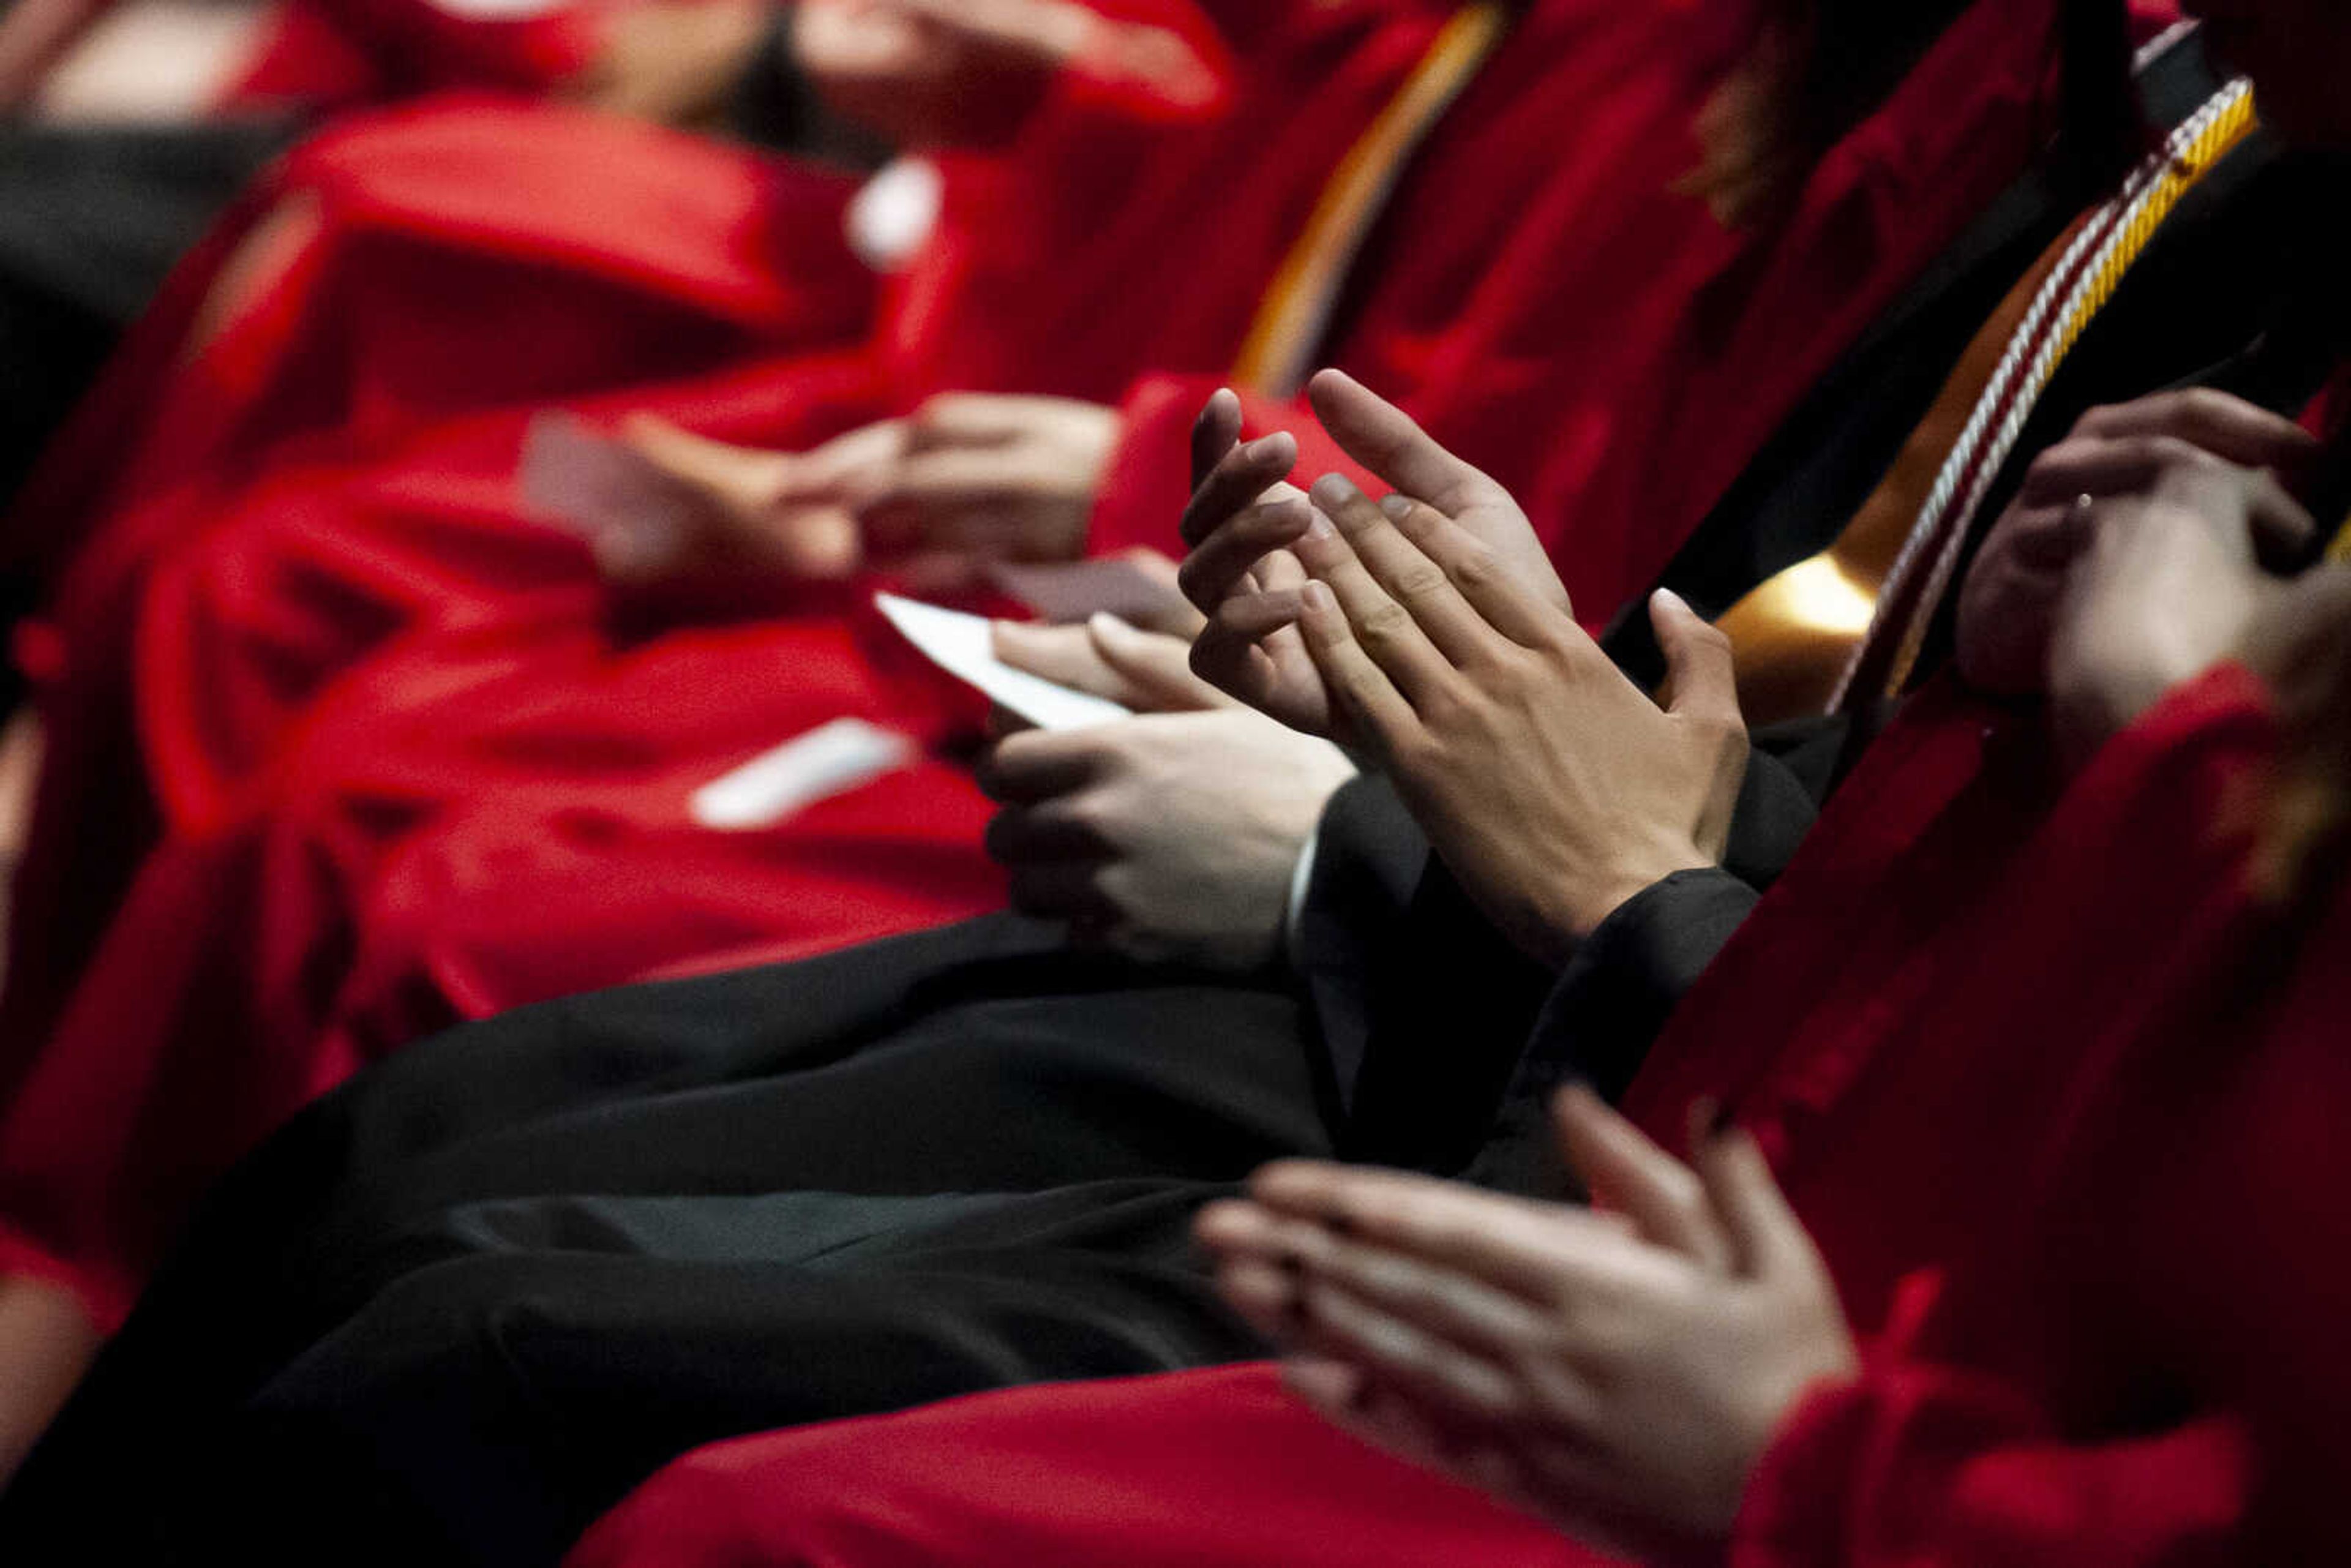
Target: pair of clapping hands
{"points": [[1428, 633]]}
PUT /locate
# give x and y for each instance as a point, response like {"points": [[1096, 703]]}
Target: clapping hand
{"points": [[1244, 515], [1617, 1374], [2107, 469], [1172, 836]]}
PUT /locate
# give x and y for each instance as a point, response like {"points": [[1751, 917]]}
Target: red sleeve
{"points": [[1150, 475], [1924, 1467], [415, 45]]}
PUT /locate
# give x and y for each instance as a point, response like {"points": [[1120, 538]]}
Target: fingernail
{"points": [[1335, 490], [1266, 447], [1316, 597], [1103, 623], [1671, 601], [1397, 507], [1319, 528]]}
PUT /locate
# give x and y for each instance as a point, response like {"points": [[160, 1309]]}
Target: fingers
{"points": [[1421, 1327], [1439, 1336], [817, 544], [1423, 1363], [1063, 654], [1385, 440], [1359, 687], [2228, 427], [1108, 658], [1215, 433], [1238, 479], [1543, 1252], [949, 476], [975, 419], [741, 477], [1701, 677], [1022, 770], [1156, 669], [1628, 1173], [2133, 459], [1252, 652], [846, 460], [1402, 570], [1219, 565], [2279, 530], [1767, 1239], [1476, 574], [2104, 465]]}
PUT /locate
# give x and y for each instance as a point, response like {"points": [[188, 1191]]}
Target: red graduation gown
{"points": [[491, 729], [2075, 1169]]}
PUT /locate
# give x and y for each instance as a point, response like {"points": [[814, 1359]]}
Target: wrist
{"points": [[1592, 899]]}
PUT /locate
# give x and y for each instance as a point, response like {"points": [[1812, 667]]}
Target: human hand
{"points": [[2168, 585], [673, 62], [754, 520], [1172, 836], [2115, 459], [1243, 516], [1148, 671], [936, 73], [1619, 1374], [1553, 788], [979, 478]]}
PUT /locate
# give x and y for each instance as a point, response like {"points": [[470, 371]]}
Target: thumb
{"points": [[1158, 667], [738, 476], [1701, 678]]}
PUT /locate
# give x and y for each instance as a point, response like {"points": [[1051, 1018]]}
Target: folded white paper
{"points": [[964, 647], [830, 759]]}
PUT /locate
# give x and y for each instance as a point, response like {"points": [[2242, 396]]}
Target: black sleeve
{"points": [[1369, 857], [1614, 998], [1430, 1020]]}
